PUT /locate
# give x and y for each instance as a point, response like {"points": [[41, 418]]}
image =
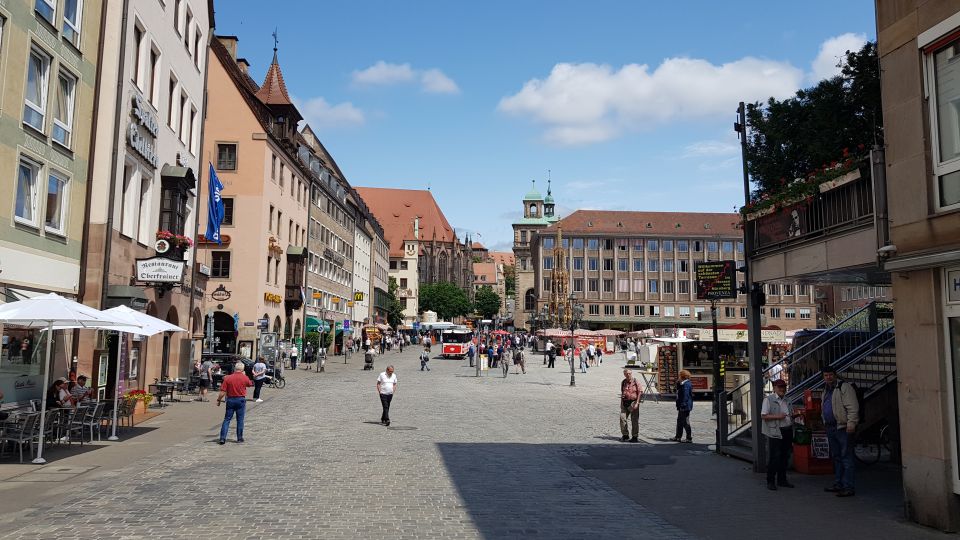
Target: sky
{"points": [[629, 105]]}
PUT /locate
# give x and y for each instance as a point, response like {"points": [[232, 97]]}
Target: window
{"points": [[622, 244], [944, 109], [153, 78], [653, 265], [63, 113], [35, 97], [593, 243], [684, 311], [25, 207], [578, 285], [608, 265], [279, 222], [652, 286], [173, 208], [594, 309], [790, 313], [273, 167], [393, 265], [683, 246], [652, 245], [403, 283], [623, 265], [193, 133], [623, 285], [726, 246], [788, 290], [668, 311], [578, 243], [712, 246], [740, 247], [270, 223], [281, 175], [773, 288], [404, 265], [697, 311], [548, 263], [566, 243], [668, 286], [46, 8], [697, 246], [172, 100], [668, 265], [638, 285], [276, 271], [220, 264], [608, 285], [804, 313], [638, 311], [548, 242], [578, 263], [608, 243], [638, 265], [654, 311], [683, 286], [137, 55], [608, 310], [683, 265], [177, 10], [668, 245], [743, 313], [593, 263], [227, 211], [196, 47], [638, 244], [624, 311], [729, 312], [546, 284], [523, 263], [187, 24], [71, 20], [56, 204], [774, 313], [594, 285], [226, 156], [182, 127]]}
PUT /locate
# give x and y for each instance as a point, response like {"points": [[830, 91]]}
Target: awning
{"points": [[314, 324]]}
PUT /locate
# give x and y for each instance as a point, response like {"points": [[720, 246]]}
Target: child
{"points": [[424, 360]]}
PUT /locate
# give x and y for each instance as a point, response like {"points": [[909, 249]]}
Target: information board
{"points": [[716, 280]]}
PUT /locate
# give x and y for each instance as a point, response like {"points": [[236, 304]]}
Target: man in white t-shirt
{"points": [[386, 386]]}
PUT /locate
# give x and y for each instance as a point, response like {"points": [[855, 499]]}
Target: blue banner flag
{"points": [[215, 213]]}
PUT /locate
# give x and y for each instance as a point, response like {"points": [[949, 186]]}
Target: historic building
{"points": [[490, 274], [252, 138], [918, 44], [424, 248], [538, 213], [48, 54], [146, 172]]}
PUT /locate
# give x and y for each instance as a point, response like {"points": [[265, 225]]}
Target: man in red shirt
{"points": [[234, 390]]}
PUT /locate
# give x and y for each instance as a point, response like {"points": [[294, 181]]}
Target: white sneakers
{"points": [[259, 400]]}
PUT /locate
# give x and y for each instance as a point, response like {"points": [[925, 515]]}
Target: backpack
{"points": [[861, 403]]}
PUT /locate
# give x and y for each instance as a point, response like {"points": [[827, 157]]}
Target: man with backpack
{"points": [[841, 413], [424, 360]]}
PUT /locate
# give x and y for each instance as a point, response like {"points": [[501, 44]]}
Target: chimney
{"points": [[416, 227], [243, 65], [230, 42]]}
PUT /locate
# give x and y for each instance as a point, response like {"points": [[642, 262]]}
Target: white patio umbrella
{"points": [[52, 311], [135, 323]]}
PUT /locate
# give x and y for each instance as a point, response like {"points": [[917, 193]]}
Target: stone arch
{"points": [[297, 329], [172, 316], [197, 327], [151, 309], [276, 325], [530, 300], [286, 328], [534, 211]]}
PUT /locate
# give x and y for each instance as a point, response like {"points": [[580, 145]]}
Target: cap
{"points": [[780, 382]]}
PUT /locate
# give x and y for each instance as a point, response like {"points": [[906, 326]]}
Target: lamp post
{"points": [[576, 315]]}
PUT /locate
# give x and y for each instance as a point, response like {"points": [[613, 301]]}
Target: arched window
{"points": [[530, 300], [533, 210], [442, 267]]}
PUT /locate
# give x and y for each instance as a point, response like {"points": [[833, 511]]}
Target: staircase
{"points": [[861, 347]]}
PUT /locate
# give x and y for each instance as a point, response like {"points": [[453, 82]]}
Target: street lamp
{"points": [[576, 315]]}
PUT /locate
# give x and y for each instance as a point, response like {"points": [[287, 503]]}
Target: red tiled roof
{"points": [[502, 257], [643, 223], [487, 269], [479, 246], [273, 91], [396, 210]]}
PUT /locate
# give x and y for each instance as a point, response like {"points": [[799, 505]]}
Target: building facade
{"points": [[146, 172], [362, 261], [251, 140], [918, 44], [634, 270], [48, 55], [490, 274], [538, 214]]}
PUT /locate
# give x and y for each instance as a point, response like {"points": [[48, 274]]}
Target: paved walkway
{"points": [[466, 457]]}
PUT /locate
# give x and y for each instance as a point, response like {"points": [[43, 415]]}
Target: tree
{"points": [[792, 138], [445, 298], [486, 302], [393, 305], [510, 280]]}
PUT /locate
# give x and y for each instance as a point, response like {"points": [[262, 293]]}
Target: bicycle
{"points": [[277, 381], [869, 448]]}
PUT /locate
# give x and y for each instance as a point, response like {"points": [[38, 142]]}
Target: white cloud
{"points": [[321, 114], [432, 81], [714, 148], [383, 73], [586, 103], [435, 81], [832, 51]]}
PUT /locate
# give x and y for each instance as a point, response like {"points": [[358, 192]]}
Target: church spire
{"points": [[273, 91]]}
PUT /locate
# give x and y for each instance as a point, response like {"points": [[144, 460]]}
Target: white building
{"points": [[362, 247]]}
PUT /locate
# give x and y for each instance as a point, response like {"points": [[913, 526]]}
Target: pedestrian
{"points": [[841, 412], [778, 428], [584, 356], [471, 353], [684, 406], [551, 354], [206, 378], [591, 355], [259, 377], [629, 407], [386, 388], [518, 360], [599, 355], [308, 354], [293, 357], [234, 391], [424, 360], [400, 344]]}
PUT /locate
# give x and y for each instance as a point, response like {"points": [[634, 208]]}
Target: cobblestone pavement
{"points": [[466, 457]]}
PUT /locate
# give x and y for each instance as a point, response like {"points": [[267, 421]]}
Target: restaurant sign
{"points": [[137, 138], [160, 270], [728, 335], [716, 280]]}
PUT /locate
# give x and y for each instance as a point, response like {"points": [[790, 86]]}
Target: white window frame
{"points": [[39, 108], [37, 168], [73, 25], [940, 169], [52, 4], [67, 126], [63, 199]]}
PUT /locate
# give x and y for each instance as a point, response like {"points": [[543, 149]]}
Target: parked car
{"points": [[226, 362]]}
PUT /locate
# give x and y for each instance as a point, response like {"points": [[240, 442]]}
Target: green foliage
{"points": [[394, 307], [510, 280], [445, 298], [803, 134], [312, 338], [486, 302]]}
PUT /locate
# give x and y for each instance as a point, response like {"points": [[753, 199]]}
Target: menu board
{"points": [[716, 280]]}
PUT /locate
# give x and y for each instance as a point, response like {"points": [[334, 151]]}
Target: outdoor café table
{"points": [[160, 389], [649, 379]]}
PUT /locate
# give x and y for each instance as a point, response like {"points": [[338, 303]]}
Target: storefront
{"points": [[23, 354], [951, 313]]}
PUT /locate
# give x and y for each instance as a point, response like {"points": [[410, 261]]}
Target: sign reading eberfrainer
{"points": [[716, 280], [160, 270]]}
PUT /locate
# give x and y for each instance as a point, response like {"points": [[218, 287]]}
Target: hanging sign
{"points": [[220, 294], [716, 280], [136, 137], [159, 270]]}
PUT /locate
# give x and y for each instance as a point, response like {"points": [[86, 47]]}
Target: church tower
{"points": [[525, 230]]}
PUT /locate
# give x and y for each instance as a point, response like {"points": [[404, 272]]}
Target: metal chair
{"points": [[92, 420], [24, 433], [74, 424]]}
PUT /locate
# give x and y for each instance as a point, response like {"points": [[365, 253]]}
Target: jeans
{"points": [[779, 455], [841, 451], [257, 385], [627, 412], [552, 358], [424, 365], [583, 365], [683, 424], [236, 405], [385, 400]]}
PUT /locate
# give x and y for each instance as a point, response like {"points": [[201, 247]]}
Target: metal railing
{"points": [[857, 334]]}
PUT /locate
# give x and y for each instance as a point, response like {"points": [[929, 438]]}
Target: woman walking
{"points": [[684, 406]]}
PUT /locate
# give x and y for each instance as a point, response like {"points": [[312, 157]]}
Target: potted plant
{"points": [[142, 398], [178, 243]]}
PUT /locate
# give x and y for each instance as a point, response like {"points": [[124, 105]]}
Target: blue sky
{"points": [[629, 105]]}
